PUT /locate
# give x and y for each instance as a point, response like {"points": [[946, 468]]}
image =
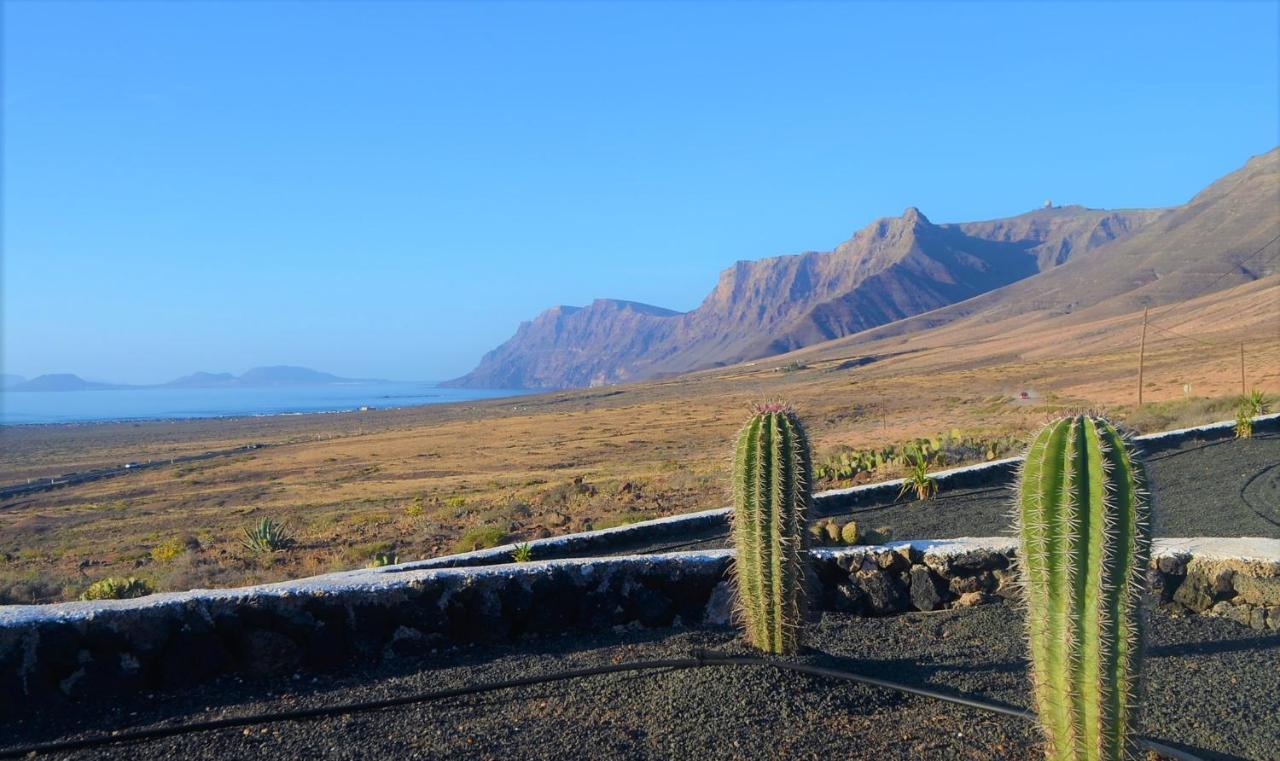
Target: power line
{"points": [[1220, 277], [1180, 335]]}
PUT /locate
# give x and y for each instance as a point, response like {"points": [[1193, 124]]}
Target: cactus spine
{"points": [[771, 494], [1085, 540]]}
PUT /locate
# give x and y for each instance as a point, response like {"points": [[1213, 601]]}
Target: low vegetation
{"points": [[842, 465], [1247, 408], [918, 481], [834, 532], [267, 536], [480, 538], [385, 558], [458, 477], [113, 588]]}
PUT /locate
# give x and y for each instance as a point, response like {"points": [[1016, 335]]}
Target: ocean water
{"points": [[28, 407]]}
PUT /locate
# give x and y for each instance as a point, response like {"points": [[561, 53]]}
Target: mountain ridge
{"points": [[257, 377], [896, 275], [892, 268]]}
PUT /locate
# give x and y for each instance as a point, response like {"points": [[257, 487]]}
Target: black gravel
{"points": [[1220, 488], [1214, 689], [1197, 489]]}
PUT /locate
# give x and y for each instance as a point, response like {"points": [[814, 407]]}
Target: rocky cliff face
{"points": [[891, 269]]}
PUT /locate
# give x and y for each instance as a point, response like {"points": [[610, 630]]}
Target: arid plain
{"points": [[422, 481]]}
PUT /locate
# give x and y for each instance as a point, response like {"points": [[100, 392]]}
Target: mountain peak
{"points": [[914, 216], [893, 268], [60, 382]]}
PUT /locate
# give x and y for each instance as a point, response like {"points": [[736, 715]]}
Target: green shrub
{"points": [[415, 509], [267, 536], [173, 547], [479, 538], [1249, 406], [1244, 424], [918, 480], [116, 588], [849, 533], [384, 559], [1256, 402], [523, 553]]}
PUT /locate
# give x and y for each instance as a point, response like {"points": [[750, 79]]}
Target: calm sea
{"points": [[17, 408]]}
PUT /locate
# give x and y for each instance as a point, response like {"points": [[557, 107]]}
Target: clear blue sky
{"points": [[389, 189]]}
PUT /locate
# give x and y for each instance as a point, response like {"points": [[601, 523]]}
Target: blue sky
{"points": [[389, 189]]}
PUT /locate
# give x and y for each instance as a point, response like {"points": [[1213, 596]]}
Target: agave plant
{"points": [[267, 536], [1257, 402], [918, 479], [1250, 405]]}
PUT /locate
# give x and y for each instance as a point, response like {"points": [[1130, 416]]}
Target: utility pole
{"points": [[1142, 351], [1242, 391]]}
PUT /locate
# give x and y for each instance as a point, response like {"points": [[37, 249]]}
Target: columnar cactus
{"points": [[771, 493], [1085, 539]]}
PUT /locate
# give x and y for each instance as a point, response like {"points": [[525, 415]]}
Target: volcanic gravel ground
{"points": [[1214, 689], [1227, 487]]}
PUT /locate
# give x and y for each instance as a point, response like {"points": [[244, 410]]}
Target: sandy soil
{"points": [[420, 482]]}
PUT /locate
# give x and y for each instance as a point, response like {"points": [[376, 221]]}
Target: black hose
{"points": [[1244, 496], [701, 658]]}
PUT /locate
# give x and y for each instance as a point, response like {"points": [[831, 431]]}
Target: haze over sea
{"points": [[34, 407]]}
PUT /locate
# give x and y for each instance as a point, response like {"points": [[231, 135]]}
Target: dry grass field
{"points": [[427, 480]]}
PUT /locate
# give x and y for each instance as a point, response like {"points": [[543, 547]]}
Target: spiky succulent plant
{"points": [[267, 536], [1085, 541], [772, 491]]}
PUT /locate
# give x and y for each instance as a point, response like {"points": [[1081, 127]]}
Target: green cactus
{"points": [[772, 492], [849, 533], [1085, 540]]}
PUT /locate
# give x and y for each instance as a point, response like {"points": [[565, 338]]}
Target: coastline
{"points": [[380, 402]]}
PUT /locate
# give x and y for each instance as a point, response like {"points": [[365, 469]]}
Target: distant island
{"points": [[258, 377]]}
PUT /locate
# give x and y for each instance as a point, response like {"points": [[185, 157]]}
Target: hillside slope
{"points": [[891, 269], [1225, 236]]}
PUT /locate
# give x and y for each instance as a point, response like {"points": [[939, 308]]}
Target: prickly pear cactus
{"points": [[1085, 540], [771, 494]]}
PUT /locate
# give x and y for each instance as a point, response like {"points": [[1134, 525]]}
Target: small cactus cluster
{"points": [[831, 532], [772, 491], [383, 559], [1085, 539]]}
